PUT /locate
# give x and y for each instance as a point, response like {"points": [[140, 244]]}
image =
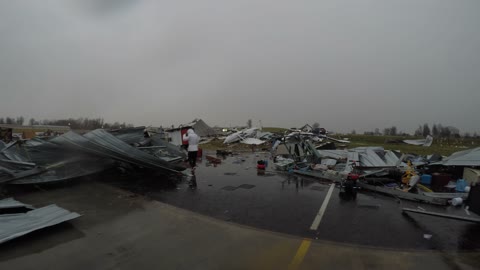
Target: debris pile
{"points": [[405, 176], [246, 136], [72, 155]]}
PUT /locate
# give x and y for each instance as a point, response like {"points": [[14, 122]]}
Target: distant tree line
{"points": [[437, 131], [12, 120], [79, 123], [390, 131], [440, 131]]}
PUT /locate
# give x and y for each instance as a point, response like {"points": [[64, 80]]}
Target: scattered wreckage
{"points": [[72, 155], [402, 176], [254, 136], [427, 142], [247, 136]]}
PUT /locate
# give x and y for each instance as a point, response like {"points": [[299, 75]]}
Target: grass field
{"points": [[440, 146]]}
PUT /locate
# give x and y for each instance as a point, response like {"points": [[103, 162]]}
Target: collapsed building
{"points": [[72, 155]]}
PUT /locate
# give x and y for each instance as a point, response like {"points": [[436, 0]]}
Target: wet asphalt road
{"points": [[234, 191]]}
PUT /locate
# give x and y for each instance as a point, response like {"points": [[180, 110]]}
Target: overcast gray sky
{"points": [[345, 64]]}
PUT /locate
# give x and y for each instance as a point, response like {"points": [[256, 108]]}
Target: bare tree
{"points": [[116, 125], [445, 132], [393, 131], [426, 130], [249, 123], [386, 131], [316, 125], [20, 120], [435, 131], [454, 131], [419, 131]]}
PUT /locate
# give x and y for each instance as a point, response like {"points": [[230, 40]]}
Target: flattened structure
{"points": [[72, 155]]}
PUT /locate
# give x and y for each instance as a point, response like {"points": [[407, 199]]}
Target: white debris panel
{"points": [[427, 142], [16, 225], [252, 141]]}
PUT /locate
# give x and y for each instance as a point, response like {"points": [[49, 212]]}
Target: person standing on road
{"points": [[193, 140]]}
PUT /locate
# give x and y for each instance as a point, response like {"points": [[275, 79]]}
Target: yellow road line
{"points": [[298, 259]]}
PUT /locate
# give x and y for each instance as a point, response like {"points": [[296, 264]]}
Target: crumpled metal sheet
{"points": [[22, 174], [9, 203], [329, 162], [169, 151], [129, 135], [377, 157], [427, 142], [16, 225], [371, 159], [393, 159], [40, 161], [103, 144], [353, 160], [252, 141], [68, 169], [365, 148], [335, 154], [469, 157], [10, 151], [138, 157], [72, 155]]}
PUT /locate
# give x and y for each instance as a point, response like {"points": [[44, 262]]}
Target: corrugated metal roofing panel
{"points": [[12, 203], [370, 158], [104, 144], [16, 225], [469, 157], [335, 154]]}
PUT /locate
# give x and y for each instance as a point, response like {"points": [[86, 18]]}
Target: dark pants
{"points": [[192, 158]]}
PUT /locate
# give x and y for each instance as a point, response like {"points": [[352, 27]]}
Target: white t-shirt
{"points": [[193, 140]]}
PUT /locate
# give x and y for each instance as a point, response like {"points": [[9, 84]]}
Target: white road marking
{"points": [[320, 213]]}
